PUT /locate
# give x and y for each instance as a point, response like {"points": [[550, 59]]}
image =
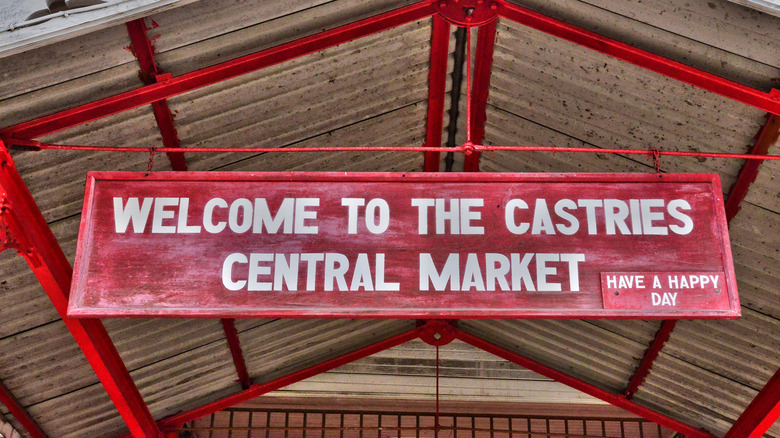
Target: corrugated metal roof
{"points": [[578, 348], [307, 342], [409, 372]]}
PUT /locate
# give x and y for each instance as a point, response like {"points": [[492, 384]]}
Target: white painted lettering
{"points": [[561, 208], [302, 215], [255, 271], [543, 271], [286, 272], [615, 215], [542, 219], [227, 272], [208, 216], [377, 216], [496, 270], [160, 214], [272, 224], [467, 216], [574, 271], [649, 216], [311, 260], [183, 228], [240, 216], [472, 274], [521, 274], [509, 216], [133, 211], [590, 211], [674, 208], [443, 216], [380, 283], [430, 275], [422, 205], [361, 276]]}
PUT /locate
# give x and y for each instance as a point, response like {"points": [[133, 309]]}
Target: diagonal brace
{"points": [[49, 264]]}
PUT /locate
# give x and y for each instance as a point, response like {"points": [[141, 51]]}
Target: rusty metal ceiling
{"points": [[374, 91]]}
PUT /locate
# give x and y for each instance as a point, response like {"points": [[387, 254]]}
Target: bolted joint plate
{"points": [[467, 13], [437, 332]]}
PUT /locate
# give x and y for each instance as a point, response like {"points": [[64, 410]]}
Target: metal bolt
{"points": [[437, 336], [617, 292], [717, 291]]}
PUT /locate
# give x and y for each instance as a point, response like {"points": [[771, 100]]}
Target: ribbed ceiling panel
{"points": [[694, 395], [578, 348], [283, 346]]}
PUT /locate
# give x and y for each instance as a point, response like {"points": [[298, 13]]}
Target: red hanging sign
{"points": [[380, 245]]}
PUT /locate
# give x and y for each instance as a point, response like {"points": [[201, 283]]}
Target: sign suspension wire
{"points": [[437, 426]]}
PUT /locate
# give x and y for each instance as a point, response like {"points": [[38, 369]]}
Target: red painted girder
{"points": [[21, 415], [651, 354], [231, 335], [642, 58], [766, 137], [143, 48], [483, 63], [254, 391], [761, 414], [53, 271], [437, 82], [220, 72], [613, 399]]}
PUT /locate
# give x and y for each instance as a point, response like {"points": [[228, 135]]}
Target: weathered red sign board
{"points": [[382, 245]]}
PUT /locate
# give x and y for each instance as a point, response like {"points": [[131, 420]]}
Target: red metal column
{"points": [[437, 83], [211, 75], [483, 64], [675, 70], [51, 267], [650, 355], [256, 390], [762, 412], [143, 48], [21, 415], [231, 335], [766, 137], [613, 399]]}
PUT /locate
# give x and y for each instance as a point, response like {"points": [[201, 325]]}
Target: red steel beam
{"points": [[21, 415], [761, 414], [231, 335], [256, 390], [651, 354], [767, 136], [768, 102], [143, 48], [437, 84], [211, 75], [614, 399], [483, 63], [51, 267]]}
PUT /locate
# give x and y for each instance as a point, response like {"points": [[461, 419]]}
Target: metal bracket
{"points": [[7, 240], [9, 235], [467, 13]]}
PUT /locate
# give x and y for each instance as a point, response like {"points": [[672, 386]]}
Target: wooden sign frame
{"points": [[403, 245]]}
